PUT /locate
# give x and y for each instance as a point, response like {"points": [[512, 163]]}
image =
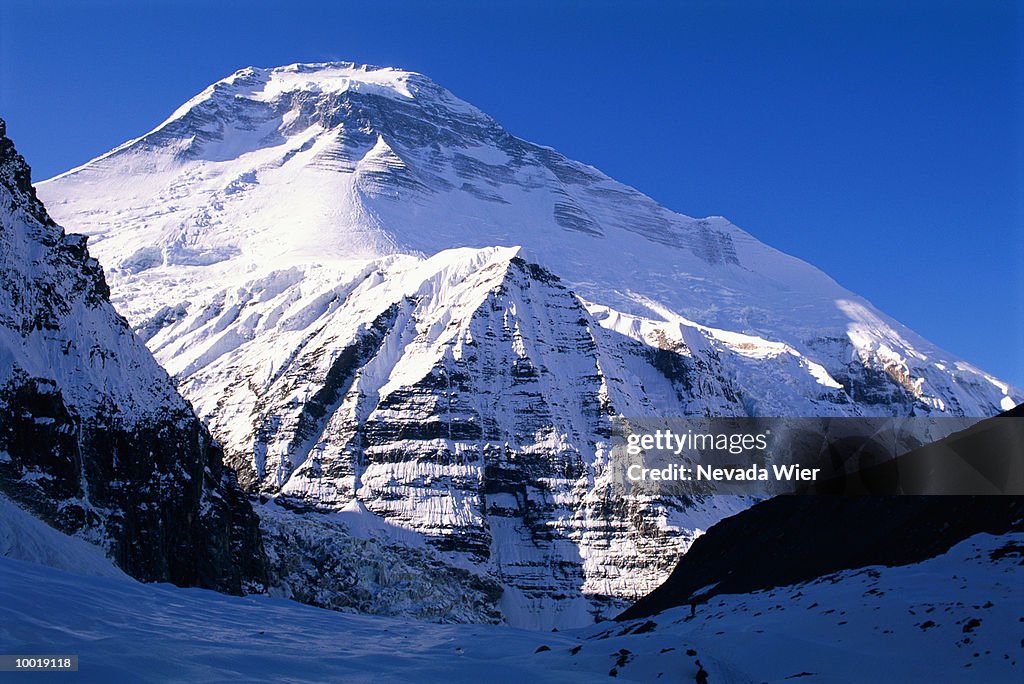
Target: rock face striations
{"points": [[408, 326], [94, 438]]}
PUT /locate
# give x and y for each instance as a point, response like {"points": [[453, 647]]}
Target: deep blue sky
{"points": [[876, 140]]}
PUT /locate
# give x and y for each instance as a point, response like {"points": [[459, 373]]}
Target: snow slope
{"points": [[953, 618], [25, 537], [377, 297]]}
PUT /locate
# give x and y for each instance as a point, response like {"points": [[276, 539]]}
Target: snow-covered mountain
{"points": [[393, 312], [94, 438]]}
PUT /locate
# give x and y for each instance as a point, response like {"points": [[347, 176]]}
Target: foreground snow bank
{"points": [[952, 618], [27, 538]]}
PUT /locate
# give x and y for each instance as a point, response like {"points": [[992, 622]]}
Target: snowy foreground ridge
{"points": [[407, 326], [943, 620]]}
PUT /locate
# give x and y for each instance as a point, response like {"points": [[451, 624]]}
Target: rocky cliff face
{"points": [[94, 438], [408, 325]]}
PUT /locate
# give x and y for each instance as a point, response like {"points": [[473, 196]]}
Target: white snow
{"points": [[24, 537], [952, 618]]}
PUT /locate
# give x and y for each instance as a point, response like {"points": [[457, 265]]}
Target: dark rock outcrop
{"points": [[792, 539], [94, 438]]}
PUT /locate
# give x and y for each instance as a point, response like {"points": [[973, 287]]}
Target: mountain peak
{"points": [[322, 255], [329, 77], [259, 107], [16, 178], [326, 84], [337, 162]]}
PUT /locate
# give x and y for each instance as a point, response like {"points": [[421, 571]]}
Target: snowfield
{"points": [[957, 617]]}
